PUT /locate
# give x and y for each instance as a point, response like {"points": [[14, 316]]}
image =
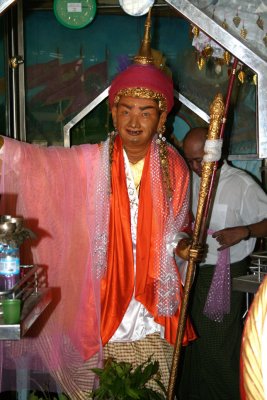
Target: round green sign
{"points": [[75, 14]]}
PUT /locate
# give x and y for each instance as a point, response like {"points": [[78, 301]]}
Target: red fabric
{"points": [[118, 284], [146, 76]]}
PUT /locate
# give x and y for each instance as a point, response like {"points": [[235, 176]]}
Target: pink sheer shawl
{"points": [[54, 190]]}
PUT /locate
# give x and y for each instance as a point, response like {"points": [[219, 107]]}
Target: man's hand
{"points": [[185, 250], [229, 236]]}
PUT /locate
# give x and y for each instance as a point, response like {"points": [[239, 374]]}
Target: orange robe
{"points": [[117, 286]]}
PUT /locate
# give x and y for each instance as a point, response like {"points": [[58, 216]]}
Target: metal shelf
{"points": [[250, 283], [247, 283], [35, 297]]}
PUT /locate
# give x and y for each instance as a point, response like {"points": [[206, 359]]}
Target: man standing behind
{"points": [[237, 218]]}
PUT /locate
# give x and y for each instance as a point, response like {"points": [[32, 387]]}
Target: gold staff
{"points": [[216, 116]]}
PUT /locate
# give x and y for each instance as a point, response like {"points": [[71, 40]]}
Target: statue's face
{"points": [[137, 121]]}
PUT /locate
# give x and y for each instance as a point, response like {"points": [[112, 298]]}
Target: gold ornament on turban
{"points": [[145, 55]]}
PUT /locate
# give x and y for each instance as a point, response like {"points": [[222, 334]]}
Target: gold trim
{"points": [[143, 93], [216, 115]]}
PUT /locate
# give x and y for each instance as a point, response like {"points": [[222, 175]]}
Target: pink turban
{"points": [[143, 76]]}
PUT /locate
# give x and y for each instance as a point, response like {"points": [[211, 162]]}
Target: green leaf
{"points": [[149, 371], [161, 386], [98, 371], [120, 381], [132, 393]]}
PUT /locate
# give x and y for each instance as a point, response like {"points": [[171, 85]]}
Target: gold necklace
{"points": [[137, 169]]}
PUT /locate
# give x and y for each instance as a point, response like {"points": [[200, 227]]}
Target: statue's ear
{"points": [[162, 120]]}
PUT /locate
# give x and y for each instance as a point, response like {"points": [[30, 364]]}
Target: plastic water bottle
{"points": [[9, 267]]}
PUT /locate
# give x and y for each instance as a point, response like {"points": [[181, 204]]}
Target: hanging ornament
{"points": [[236, 20], [227, 57], [265, 40], [201, 63], [241, 76], [218, 69], [260, 22], [207, 51], [243, 32], [255, 79], [224, 24], [195, 31]]}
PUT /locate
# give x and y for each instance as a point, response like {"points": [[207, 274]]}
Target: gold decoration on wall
{"points": [[236, 20], [255, 79], [200, 63], [224, 24], [217, 66], [207, 51], [243, 32], [227, 57], [260, 22], [265, 40], [241, 76], [195, 31]]}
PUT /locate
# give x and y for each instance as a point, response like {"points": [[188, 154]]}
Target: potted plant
{"points": [[120, 381]]}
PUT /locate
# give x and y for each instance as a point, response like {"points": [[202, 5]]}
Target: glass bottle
{"points": [[9, 267], [9, 257]]}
